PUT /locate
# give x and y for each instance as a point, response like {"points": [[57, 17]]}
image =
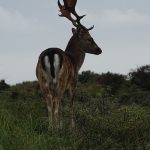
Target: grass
{"points": [[101, 122]]}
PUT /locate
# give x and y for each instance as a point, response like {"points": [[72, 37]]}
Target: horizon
{"points": [[79, 73]]}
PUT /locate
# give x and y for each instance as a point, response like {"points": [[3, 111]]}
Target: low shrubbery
{"points": [[105, 119]]}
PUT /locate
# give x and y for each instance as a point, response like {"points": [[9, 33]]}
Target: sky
{"points": [[27, 27]]}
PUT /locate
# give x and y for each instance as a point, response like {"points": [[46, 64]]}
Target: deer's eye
{"points": [[90, 40]]}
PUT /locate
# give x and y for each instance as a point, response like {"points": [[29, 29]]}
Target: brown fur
{"points": [[73, 58]]}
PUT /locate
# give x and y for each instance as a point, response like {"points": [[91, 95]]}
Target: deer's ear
{"points": [[74, 31]]}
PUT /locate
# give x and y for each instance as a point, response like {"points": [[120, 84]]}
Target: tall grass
{"points": [[102, 123]]}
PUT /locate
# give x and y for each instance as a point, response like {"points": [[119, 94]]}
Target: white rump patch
{"points": [[47, 73], [56, 66], [47, 63]]}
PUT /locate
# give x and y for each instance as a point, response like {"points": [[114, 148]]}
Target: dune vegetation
{"points": [[112, 112]]}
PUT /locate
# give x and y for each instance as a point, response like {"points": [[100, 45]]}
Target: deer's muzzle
{"points": [[98, 51]]}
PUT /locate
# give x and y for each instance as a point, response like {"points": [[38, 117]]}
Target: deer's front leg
{"points": [[72, 96]]}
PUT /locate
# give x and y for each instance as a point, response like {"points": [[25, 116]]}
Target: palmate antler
{"points": [[69, 8]]}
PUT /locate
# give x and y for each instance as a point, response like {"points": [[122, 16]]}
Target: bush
{"points": [[3, 85], [121, 128], [112, 81], [103, 120], [139, 98], [87, 77], [141, 77]]}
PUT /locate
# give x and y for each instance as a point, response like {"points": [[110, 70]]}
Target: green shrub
{"points": [[140, 98], [141, 77], [102, 121]]}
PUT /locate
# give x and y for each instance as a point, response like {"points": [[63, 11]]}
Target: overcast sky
{"points": [[27, 27]]}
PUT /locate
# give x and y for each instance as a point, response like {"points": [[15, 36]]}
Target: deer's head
{"points": [[85, 40]]}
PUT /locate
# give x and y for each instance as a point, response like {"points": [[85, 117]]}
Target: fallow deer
{"points": [[57, 70]]}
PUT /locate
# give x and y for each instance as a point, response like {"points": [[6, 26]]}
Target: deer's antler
{"points": [[69, 8]]}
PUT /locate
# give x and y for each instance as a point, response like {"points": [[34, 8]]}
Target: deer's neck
{"points": [[75, 52]]}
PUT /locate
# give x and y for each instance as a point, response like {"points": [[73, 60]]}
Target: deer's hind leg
{"points": [[55, 111], [49, 109], [53, 106], [48, 98]]}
